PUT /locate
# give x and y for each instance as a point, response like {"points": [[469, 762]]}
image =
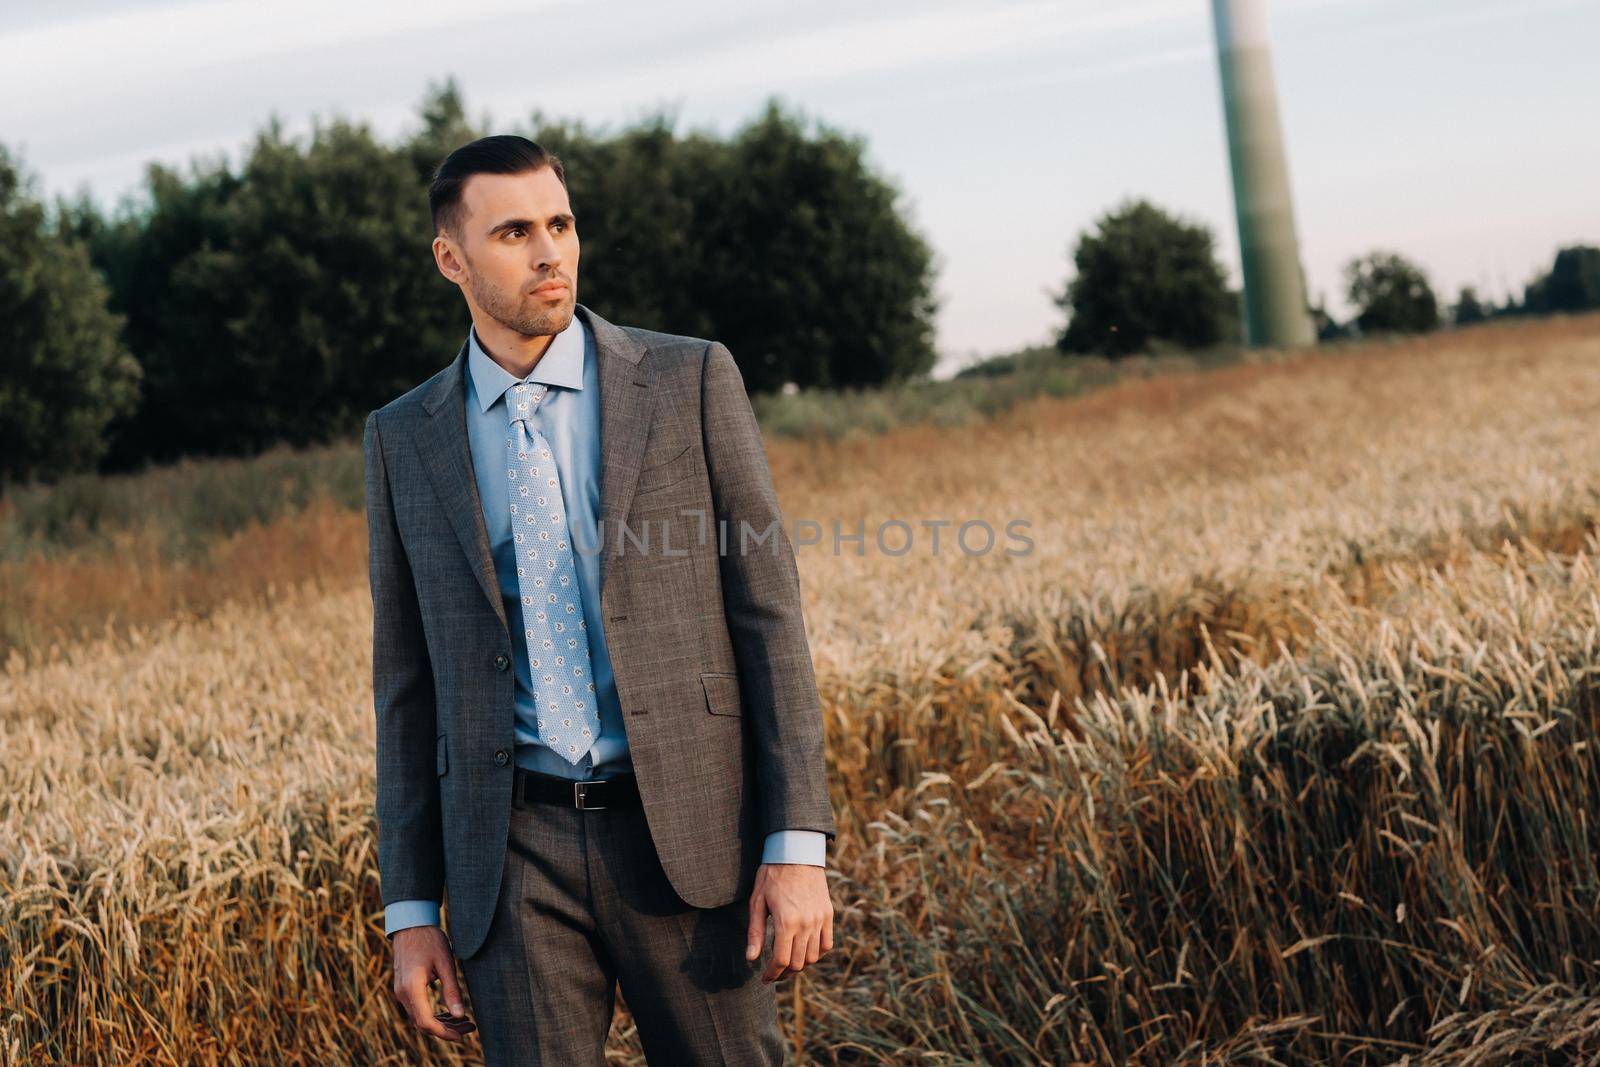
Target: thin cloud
{"points": [[1080, 72], [159, 43], [880, 45]]}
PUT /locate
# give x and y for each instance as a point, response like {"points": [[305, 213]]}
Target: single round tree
{"points": [[1142, 276], [1391, 294]]}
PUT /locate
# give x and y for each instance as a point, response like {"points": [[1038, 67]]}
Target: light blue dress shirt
{"points": [[569, 417]]}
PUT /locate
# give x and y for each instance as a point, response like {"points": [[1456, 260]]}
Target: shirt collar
{"points": [[561, 364]]}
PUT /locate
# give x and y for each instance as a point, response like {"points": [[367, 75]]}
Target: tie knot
{"points": [[522, 400]]}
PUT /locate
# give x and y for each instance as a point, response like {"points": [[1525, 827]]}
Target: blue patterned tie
{"points": [[552, 604]]}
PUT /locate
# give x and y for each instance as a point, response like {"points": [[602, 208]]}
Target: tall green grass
{"points": [[180, 509]]}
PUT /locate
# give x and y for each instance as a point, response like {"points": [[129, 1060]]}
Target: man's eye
{"points": [[561, 225], [514, 229]]}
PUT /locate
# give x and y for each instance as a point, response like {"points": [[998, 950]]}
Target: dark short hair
{"points": [[502, 153]]}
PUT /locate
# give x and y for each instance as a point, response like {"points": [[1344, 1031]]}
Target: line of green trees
{"points": [[1147, 279], [227, 310]]}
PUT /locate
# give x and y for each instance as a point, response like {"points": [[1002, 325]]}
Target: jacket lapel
{"points": [[626, 398], [442, 441], [625, 405]]}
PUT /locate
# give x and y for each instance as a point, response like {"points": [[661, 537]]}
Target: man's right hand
{"points": [[421, 954]]}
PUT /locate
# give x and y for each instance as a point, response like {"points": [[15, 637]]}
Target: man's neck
{"points": [[516, 353]]}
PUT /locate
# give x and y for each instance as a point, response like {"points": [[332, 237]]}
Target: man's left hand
{"points": [[796, 896]]}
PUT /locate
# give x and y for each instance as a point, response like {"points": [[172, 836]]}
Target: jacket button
{"points": [[501, 757], [501, 661]]}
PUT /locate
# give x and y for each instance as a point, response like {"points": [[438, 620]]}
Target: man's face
{"points": [[519, 250]]}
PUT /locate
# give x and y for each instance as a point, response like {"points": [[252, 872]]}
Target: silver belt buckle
{"points": [[580, 797]]}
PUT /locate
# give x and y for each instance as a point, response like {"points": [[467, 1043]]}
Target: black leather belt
{"points": [[594, 794]]}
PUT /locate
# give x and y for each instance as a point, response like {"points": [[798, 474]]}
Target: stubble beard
{"points": [[529, 315]]}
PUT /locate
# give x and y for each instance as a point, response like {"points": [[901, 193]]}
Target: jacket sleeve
{"points": [[410, 834], [761, 602]]}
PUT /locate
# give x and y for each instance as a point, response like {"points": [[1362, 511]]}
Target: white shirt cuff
{"points": [[796, 846], [404, 913]]}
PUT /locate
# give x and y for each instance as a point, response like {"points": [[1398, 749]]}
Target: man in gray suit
{"points": [[597, 722]]}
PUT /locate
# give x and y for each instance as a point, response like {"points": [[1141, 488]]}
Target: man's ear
{"points": [[446, 259]]}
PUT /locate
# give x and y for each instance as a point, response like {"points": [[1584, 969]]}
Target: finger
{"points": [[757, 930], [814, 945], [434, 1027], [438, 1029], [416, 1001], [804, 952], [782, 952], [449, 986], [827, 932]]}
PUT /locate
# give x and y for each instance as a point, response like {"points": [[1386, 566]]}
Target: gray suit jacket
{"points": [[707, 642]]}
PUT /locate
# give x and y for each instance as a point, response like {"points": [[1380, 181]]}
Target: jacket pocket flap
{"points": [[667, 472], [722, 693], [441, 755]]}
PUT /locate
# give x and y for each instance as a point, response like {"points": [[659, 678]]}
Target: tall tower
{"points": [[1269, 251]]}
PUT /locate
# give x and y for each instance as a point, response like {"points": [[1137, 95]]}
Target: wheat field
{"points": [[1278, 747]]}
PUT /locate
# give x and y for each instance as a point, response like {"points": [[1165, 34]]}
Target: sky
{"points": [[1451, 131]]}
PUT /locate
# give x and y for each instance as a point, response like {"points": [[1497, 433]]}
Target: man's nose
{"points": [[545, 251]]}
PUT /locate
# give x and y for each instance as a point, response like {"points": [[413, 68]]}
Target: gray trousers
{"points": [[585, 906]]}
